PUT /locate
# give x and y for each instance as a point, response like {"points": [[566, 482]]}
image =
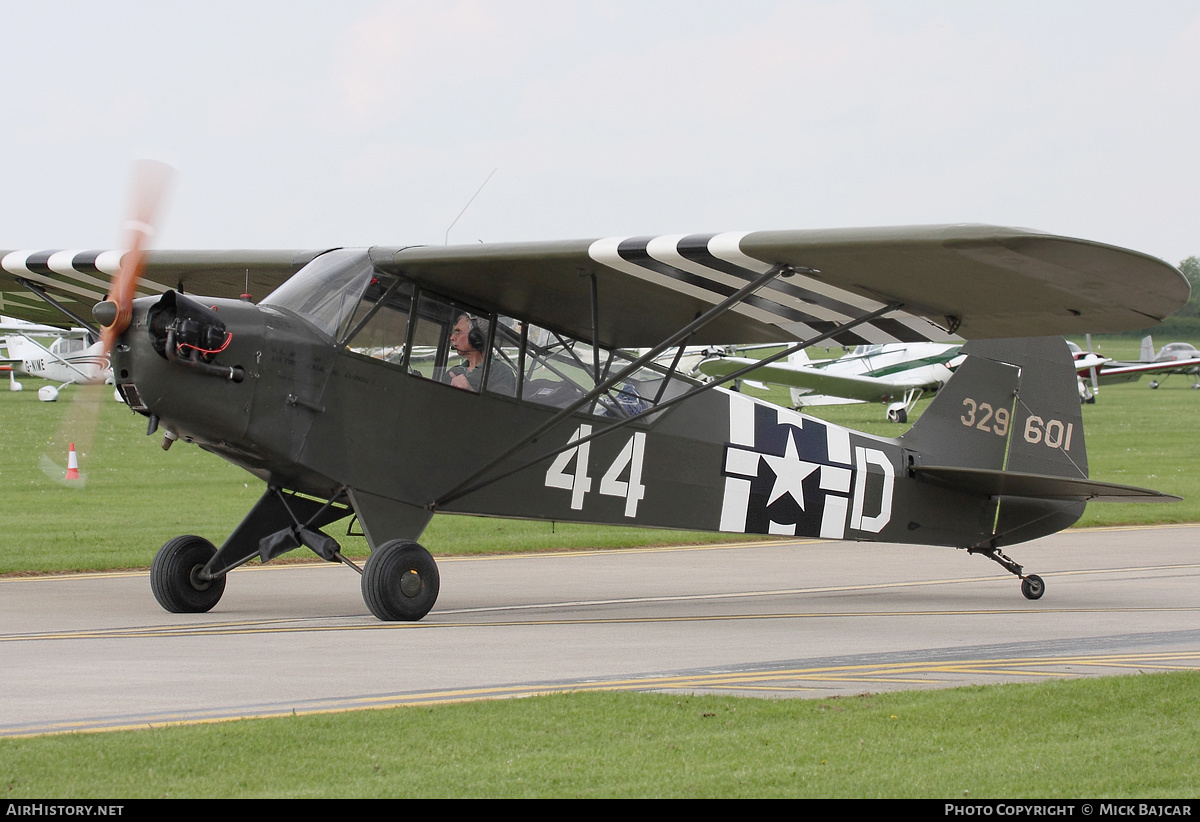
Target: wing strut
{"points": [[90, 325], [717, 310], [464, 487]]}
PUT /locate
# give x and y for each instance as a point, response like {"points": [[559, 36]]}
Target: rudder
{"points": [[1012, 406]]}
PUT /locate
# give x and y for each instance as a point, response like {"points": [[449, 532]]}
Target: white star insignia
{"points": [[790, 473]]}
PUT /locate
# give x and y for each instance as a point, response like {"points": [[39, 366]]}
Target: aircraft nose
{"points": [[105, 312]]}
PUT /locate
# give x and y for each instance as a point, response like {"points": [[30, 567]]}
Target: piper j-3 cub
{"points": [[392, 383]]}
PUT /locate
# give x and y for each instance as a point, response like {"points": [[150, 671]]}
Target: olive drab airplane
{"points": [[393, 383]]}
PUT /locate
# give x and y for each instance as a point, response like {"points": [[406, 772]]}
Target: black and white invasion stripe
{"points": [[84, 275], [713, 266]]}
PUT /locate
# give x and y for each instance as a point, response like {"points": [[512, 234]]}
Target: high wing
{"points": [[938, 283], [847, 386], [950, 283], [22, 328], [77, 280]]}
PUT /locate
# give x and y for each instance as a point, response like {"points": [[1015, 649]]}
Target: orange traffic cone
{"points": [[72, 464]]}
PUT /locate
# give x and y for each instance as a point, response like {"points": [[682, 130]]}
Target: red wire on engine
{"points": [[228, 336]]}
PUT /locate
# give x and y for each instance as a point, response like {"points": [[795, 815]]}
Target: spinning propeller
{"points": [[151, 180], [150, 183]]}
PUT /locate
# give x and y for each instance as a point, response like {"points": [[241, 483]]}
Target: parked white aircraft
{"points": [[896, 373], [73, 357]]}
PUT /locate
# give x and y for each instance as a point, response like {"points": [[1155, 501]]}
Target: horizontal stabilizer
{"points": [[1036, 486]]}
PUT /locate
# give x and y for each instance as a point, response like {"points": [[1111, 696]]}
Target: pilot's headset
{"points": [[477, 332]]}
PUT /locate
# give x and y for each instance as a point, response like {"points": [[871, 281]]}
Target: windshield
{"points": [[326, 290]]}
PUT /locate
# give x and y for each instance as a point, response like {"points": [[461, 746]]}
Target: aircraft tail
{"points": [[799, 357], [1008, 424], [1147, 354]]}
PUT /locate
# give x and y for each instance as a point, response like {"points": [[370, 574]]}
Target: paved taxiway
{"points": [[769, 619]]}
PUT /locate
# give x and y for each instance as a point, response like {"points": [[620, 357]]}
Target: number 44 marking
{"points": [[579, 483]]}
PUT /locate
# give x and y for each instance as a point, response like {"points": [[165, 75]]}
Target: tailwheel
{"points": [[1033, 587], [178, 580], [400, 581]]}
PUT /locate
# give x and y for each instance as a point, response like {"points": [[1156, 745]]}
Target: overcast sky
{"points": [[310, 124]]}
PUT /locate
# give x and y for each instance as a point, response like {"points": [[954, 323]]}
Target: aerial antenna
{"points": [[468, 205]]}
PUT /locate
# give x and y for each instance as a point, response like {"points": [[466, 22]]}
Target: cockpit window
{"points": [[379, 327], [326, 291]]}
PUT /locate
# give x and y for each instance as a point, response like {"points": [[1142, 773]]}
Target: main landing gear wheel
{"points": [[400, 581], [1033, 587], [175, 576]]}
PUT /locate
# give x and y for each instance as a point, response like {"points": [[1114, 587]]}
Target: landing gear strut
{"points": [[188, 573], [400, 580], [1032, 586]]}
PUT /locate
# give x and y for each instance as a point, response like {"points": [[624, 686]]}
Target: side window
{"points": [[450, 344], [557, 370], [504, 366], [635, 393], [379, 326]]}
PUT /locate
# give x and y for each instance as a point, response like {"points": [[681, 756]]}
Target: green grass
{"points": [[1131, 736]]}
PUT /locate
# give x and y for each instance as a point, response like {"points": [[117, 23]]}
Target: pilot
{"points": [[469, 339]]}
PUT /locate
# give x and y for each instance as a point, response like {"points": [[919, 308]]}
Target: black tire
{"points": [[1033, 587], [173, 576], [400, 581]]}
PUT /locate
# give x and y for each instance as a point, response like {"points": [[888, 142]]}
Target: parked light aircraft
{"points": [[73, 357], [13, 385], [898, 374], [1175, 358], [555, 422]]}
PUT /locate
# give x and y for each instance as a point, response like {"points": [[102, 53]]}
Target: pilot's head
{"points": [[469, 334]]}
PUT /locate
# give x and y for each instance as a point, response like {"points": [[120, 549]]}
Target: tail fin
{"points": [[799, 357], [1010, 418], [1012, 405], [1147, 354]]}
